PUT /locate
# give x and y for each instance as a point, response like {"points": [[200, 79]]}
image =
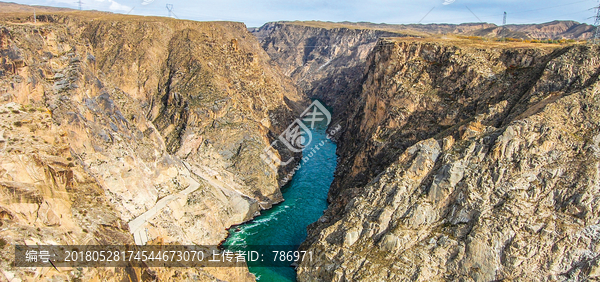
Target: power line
{"points": [[522, 12], [545, 8], [473, 14], [539, 9], [513, 19], [545, 18], [426, 14]]}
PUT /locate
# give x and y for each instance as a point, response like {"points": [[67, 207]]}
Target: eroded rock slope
{"points": [[466, 161], [104, 117], [325, 61]]}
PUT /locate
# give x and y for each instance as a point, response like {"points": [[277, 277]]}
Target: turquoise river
{"points": [[305, 200]]}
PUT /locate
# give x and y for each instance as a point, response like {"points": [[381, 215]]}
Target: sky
{"points": [[257, 12]]}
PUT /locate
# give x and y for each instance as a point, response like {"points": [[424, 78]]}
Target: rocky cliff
{"points": [[466, 161], [327, 60], [458, 159], [117, 128]]}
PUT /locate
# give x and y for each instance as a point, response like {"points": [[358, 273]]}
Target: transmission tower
{"points": [[80, 3], [503, 29], [596, 38], [170, 8]]}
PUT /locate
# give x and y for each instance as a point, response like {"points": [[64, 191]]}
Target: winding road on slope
{"points": [[136, 225]]}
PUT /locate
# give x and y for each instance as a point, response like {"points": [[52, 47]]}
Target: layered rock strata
{"points": [[121, 130], [466, 161]]}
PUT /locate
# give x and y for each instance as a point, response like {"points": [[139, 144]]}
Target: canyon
{"points": [[460, 157], [459, 160], [119, 129]]}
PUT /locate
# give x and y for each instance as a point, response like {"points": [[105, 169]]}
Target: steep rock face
{"points": [[466, 162], [212, 95], [417, 89], [327, 62], [109, 116]]}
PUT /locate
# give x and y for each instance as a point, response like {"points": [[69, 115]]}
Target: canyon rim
{"points": [[467, 152]]}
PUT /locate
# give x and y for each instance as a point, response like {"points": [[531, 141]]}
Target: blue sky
{"points": [[255, 13]]}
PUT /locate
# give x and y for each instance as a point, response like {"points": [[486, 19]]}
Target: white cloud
{"points": [[448, 2], [118, 7]]}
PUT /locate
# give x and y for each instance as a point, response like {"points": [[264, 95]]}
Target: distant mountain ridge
{"points": [[559, 29], [11, 7], [551, 30]]}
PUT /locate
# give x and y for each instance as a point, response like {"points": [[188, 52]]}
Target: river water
{"points": [[305, 200]]}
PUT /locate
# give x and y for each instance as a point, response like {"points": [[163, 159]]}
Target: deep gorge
{"points": [[444, 142], [305, 201], [457, 159]]}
